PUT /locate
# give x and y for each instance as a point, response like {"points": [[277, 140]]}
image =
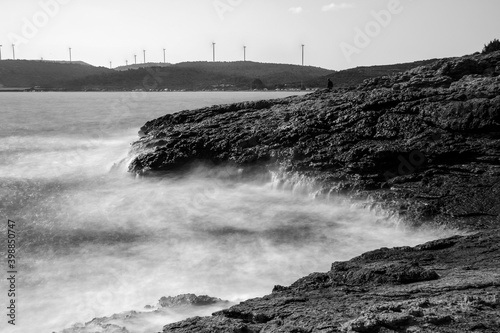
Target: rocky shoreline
{"points": [[168, 307], [423, 145], [449, 285]]}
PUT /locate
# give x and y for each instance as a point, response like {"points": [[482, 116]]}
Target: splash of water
{"points": [[95, 240]]}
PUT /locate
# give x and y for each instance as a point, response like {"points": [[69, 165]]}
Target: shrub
{"points": [[492, 46]]}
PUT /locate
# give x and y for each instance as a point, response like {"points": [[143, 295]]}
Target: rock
{"points": [[428, 151], [188, 299], [394, 273], [349, 298], [139, 322], [423, 145]]}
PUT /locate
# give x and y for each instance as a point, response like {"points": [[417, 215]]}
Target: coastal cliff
{"points": [[423, 145]]}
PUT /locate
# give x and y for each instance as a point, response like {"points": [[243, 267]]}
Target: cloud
{"points": [[334, 6], [295, 10]]}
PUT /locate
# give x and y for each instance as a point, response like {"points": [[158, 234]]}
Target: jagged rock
{"points": [[188, 299], [465, 295], [395, 273], [424, 144], [142, 322]]}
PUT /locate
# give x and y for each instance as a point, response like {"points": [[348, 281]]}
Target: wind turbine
{"points": [[303, 54]]}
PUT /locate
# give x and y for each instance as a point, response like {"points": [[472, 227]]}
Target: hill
{"points": [[354, 76], [51, 74], [238, 75]]}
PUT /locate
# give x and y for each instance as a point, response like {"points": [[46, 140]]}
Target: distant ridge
{"points": [[239, 75], [192, 76], [44, 73], [65, 62], [354, 76]]}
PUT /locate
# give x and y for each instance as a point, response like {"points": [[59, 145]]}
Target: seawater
{"points": [[94, 240]]}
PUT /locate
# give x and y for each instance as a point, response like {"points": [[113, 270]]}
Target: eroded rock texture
{"points": [[424, 144], [450, 285], [165, 310]]}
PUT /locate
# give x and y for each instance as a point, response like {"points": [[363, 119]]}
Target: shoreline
{"points": [[423, 145], [2, 90]]}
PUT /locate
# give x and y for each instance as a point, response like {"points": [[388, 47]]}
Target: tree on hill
{"points": [[492, 46], [257, 84]]}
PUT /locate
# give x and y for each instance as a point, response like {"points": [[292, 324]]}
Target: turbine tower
{"points": [[213, 51], [144, 52], [244, 53], [303, 54], [0, 52], [70, 55], [13, 52], [164, 59], [135, 59]]}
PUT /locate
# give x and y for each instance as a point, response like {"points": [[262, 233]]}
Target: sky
{"points": [[335, 34]]}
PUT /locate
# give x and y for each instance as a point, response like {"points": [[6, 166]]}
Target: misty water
{"points": [[94, 240]]}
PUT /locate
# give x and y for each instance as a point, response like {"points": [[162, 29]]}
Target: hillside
{"points": [[51, 74], [354, 76], [202, 76], [239, 75]]}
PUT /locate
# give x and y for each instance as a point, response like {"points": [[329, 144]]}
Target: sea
{"points": [[93, 240]]}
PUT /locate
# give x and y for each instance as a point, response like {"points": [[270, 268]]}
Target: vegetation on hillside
{"points": [[492, 46], [50, 74], [203, 76], [240, 75]]}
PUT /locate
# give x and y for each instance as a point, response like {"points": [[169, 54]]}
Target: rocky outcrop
{"points": [[450, 285], [169, 307], [423, 144], [188, 299]]}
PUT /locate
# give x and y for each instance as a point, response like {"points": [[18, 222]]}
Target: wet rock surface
{"points": [[188, 299], [423, 145], [144, 321], [450, 285]]}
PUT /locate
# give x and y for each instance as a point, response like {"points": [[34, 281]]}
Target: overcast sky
{"points": [[336, 34]]}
